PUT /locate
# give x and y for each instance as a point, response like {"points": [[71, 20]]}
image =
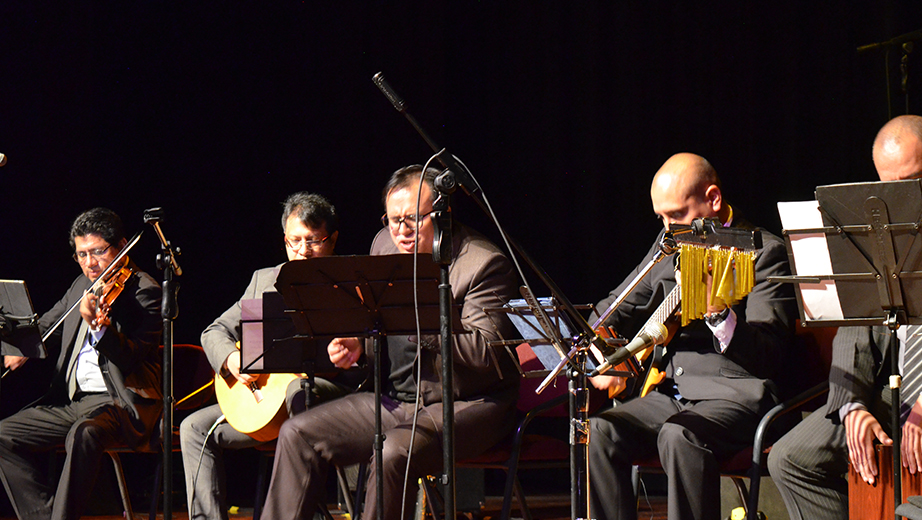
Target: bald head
{"points": [[686, 187], [897, 149]]}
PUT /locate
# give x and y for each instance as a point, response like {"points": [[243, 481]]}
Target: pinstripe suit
{"points": [[810, 464]]}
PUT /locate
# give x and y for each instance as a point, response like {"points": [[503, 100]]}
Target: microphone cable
{"points": [[198, 468]]}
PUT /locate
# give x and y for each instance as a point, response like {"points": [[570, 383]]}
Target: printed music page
{"points": [[811, 258]]}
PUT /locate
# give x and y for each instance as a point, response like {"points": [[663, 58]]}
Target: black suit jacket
{"points": [[764, 330], [128, 353]]}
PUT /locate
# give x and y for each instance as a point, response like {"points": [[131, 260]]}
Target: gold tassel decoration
{"points": [[732, 278]]}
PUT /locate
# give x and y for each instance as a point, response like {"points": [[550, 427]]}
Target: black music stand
{"points": [[871, 273], [19, 334], [364, 296], [269, 341]]}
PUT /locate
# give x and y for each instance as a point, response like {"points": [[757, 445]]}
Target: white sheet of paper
{"points": [[811, 256]]}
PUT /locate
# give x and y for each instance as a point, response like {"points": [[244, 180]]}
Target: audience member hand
{"points": [[911, 442], [232, 364], [345, 352], [861, 428]]}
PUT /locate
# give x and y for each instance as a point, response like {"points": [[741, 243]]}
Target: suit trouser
{"points": [[203, 462], [809, 466], [689, 438], [342, 432], [85, 427]]}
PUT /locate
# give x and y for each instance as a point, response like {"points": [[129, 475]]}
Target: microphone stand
{"points": [[445, 185], [904, 41], [169, 309]]}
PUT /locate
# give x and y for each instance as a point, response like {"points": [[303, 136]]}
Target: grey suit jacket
{"points": [[764, 331], [128, 352], [480, 276]]}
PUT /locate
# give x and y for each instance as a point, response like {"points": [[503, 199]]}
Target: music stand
{"points": [[19, 334], [857, 259], [269, 342], [365, 296]]}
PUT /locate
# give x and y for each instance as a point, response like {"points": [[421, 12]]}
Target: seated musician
{"points": [[718, 371], [485, 382], [310, 225], [809, 464], [106, 386]]}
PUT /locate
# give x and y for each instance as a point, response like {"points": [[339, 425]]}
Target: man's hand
{"points": [[345, 352], [94, 314], [911, 442], [232, 364], [861, 428], [614, 384], [14, 362]]}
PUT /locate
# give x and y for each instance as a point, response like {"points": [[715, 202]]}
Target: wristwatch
{"points": [[716, 318]]}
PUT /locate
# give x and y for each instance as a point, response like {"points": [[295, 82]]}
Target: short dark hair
{"points": [[98, 221], [311, 209], [406, 177]]}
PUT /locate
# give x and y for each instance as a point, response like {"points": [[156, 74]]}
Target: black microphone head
{"points": [[388, 92]]}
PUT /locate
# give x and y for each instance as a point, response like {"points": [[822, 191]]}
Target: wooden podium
{"points": [[866, 502]]}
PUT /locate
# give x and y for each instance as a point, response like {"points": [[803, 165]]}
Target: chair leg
{"points": [[358, 500], [155, 493], [324, 512], [262, 484], [344, 490], [742, 492], [122, 484], [520, 496]]}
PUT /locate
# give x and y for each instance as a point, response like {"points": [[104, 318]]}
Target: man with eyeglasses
{"points": [[310, 225], [106, 386], [485, 381], [810, 463]]}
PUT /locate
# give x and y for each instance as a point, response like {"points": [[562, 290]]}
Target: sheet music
{"points": [[811, 258]]}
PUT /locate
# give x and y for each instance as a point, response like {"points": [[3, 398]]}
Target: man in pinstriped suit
{"points": [[809, 464]]}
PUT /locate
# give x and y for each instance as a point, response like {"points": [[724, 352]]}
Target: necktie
{"points": [[72, 366], [912, 370]]}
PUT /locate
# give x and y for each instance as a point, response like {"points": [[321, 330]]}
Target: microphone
{"points": [[2, 160], [389, 93], [652, 334]]}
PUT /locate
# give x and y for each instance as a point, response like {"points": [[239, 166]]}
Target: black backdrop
{"points": [[215, 111]]}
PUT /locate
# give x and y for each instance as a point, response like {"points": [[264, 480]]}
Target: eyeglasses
{"points": [[409, 220], [81, 256], [312, 245]]}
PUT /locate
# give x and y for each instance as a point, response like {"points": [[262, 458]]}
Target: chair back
{"points": [[191, 372], [807, 362], [534, 375]]}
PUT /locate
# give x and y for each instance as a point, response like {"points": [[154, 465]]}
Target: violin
{"points": [[108, 290]]}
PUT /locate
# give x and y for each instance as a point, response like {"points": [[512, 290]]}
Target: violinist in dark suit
{"points": [[718, 371], [105, 388]]}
